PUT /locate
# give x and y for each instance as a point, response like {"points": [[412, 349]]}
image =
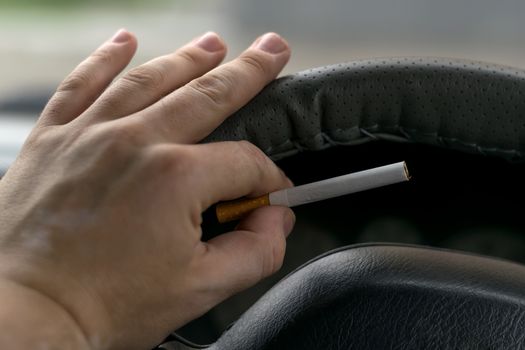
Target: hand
{"points": [[100, 215]]}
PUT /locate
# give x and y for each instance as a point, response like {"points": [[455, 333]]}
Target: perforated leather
{"points": [[463, 105]]}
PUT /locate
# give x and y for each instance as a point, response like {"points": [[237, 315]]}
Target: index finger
{"points": [[237, 169], [192, 112]]}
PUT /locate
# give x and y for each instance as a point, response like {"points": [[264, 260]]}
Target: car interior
{"points": [[433, 263]]}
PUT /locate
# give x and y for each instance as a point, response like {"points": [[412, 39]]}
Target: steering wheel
{"points": [[465, 122]]}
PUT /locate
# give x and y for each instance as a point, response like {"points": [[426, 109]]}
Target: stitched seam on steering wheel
{"points": [[370, 135], [474, 145]]}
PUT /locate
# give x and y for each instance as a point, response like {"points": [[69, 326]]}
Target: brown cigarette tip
{"points": [[236, 209]]}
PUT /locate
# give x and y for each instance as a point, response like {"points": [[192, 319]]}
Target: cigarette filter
{"points": [[316, 191]]}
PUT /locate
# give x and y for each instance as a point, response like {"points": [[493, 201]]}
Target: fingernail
{"points": [[121, 36], [288, 222], [210, 42], [271, 43]]}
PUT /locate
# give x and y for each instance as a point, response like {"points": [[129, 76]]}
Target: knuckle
{"points": [[79, 79], [256, 63], [147, 77], [254, 154], [215, 87], [102, 56], [118, 141], [84, 75], [251, 150], [173, 160], [112, 102], [190, 57]]}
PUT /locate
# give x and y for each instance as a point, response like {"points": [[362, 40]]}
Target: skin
{"points": [[100, 215]]}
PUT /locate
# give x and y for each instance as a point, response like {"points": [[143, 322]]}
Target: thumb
{"points": [[237, 260]]}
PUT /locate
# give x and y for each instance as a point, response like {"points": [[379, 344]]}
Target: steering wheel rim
{"points": [[463, 105]]}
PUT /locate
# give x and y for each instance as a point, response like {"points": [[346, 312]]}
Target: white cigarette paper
{"points": [[316, 191], [341, 185]]}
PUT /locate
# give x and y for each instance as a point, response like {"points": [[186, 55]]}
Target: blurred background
{"points": [[42, 40]]}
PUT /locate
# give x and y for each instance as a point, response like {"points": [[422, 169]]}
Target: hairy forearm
{"points": [[30, 320]]}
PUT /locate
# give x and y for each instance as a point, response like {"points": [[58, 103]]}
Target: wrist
{"points": [[30, 320]]}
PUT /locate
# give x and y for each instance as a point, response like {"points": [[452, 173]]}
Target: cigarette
{"points": [[316, 191]]}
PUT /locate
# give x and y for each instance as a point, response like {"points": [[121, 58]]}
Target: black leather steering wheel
{"points": [[463, 105], [385, 295]]}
